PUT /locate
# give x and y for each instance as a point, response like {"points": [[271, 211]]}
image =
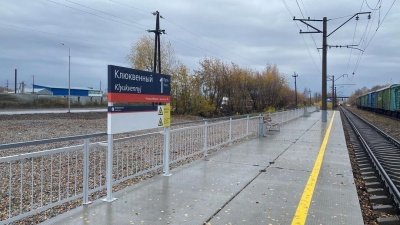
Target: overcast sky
{"points": [[250, 33]]}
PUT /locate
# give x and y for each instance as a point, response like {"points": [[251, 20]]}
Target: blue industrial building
{"points": [[62, 91]]}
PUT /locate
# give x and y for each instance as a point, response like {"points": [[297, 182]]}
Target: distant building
{"points": [[80, 95], [63, 91]]}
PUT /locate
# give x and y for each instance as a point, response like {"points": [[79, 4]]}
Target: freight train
{"points": [[385, 101]]}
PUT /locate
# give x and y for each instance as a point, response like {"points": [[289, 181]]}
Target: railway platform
{"points": [[300, 175]]}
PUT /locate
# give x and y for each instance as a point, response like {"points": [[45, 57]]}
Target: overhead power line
{"points": [[93, 14], [305, 43], [366, 2], [107, 13], [141, 10], [192, 33], [365, 40], [53, 34], [380, 23], [208, 41], [300, 8]]}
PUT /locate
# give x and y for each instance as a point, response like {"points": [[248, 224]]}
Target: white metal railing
{"points": [[38, 181], [34, 182], [282, 117]]}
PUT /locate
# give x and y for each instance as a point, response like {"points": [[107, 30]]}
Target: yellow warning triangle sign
{"points": [[160, 123], [160, 112]]}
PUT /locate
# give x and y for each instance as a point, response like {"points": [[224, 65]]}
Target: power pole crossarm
{"points": [[348, 21]]}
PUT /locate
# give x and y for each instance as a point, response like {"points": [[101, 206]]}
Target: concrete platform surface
{"points": [[259, 181]]}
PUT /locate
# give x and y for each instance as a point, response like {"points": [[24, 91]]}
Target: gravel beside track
{"points": [[388, 125]]}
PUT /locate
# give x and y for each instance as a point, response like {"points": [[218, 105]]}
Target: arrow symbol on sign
{"points": [[162, 84]]}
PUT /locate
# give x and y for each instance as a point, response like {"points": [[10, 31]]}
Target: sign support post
{"points": [[109, 174], [167, 136]]}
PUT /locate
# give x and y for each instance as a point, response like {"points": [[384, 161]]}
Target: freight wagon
{"points": [[385, 101]]}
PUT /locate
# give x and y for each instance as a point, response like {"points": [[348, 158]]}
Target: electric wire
{"points": [[354, 34], [370, 6], [39, 31], [144, 27], [351, 50], [369, 41], [355, 29], [308, 29], [187, 44], [381, 23], [308, 49], [181, 27], [304, 7], [58, 35], [363, 41], [288, 9], [141, 10], [300, 8], [93, 14], [177, 40]]}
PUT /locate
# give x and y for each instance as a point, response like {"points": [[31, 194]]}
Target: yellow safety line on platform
{"points": [[302, 209]]}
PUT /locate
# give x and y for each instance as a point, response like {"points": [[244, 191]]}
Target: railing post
{"points": [[305, 114], [167, 135], [109, 178], [205, 138], [261, 127], [230, 129], [86, 171], [247, 125], [287, 116]]}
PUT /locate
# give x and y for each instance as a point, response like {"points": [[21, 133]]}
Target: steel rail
{"points": [[385, 177]]}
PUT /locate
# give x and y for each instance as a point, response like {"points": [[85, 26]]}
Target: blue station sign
{"points": [[131, 85]]}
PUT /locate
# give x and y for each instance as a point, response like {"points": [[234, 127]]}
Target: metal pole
{"points": [[86, 172], [335, 98], [247, 125], [159, 42], [69, 79], [324, 71], [109, 178], [230, 130], [167, 135], [69, 76], [205, 138], [295, 86], [110, 155], [155, 44], [15, 89], [333, 91]]}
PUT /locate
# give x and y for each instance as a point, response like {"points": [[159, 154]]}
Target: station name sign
{"points": [[130, 85]]}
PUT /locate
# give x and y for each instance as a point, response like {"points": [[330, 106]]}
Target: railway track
{"points": [[378, 157]]}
